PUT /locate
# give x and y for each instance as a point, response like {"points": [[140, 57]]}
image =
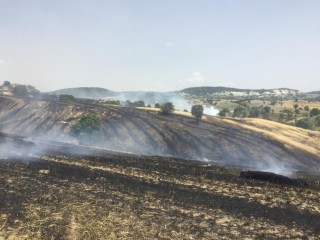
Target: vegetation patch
{"points": [[87, 130]]}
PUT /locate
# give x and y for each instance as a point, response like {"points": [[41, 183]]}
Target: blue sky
{"points": [[160, 45]]}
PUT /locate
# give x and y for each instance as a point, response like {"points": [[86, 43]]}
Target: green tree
{"points": [[266, 112], [20, 91], [295, 106], [197, 111], [224, 112], [167, 108], [254, 112], [139, 103], [87, 130], [304, 123], [157, 105], [66, 97], [306, 108], [317, 122], [281, 116], [238, 111], [289, 114], [314, 112], [7, 83]]}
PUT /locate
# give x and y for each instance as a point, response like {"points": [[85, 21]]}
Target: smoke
{"points": [[179, 102]]}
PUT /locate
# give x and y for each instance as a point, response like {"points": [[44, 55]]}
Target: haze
{"points": [[160, 45]]}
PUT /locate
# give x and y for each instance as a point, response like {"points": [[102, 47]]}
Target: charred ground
{"points": [[125, 196], [149, 133], [54, 190]]}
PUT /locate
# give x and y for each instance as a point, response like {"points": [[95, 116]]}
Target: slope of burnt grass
{"points": [[150, 133], [105, 195]]}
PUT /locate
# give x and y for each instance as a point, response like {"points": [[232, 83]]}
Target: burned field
{"points": [[149, 133], [55, 190], [125, 196]]}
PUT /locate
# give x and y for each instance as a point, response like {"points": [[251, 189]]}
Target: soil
{"points": [[106, 195]]}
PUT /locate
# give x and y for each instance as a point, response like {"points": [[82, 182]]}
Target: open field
{"points": [[106, 195], [288, 104]]}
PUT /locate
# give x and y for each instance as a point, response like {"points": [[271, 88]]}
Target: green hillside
{"points": [[86, 92]]}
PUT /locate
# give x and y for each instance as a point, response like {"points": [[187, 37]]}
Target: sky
{"points": [[160, 45]]}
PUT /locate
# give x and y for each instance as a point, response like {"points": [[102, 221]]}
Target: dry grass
{"points": [[288, 104], [176, 112], [293, 137]]}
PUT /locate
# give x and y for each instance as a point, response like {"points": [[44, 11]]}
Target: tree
{"points": [[197, 111], [167, 108], [139, 103], [224, 112], [304, 123], [295, 106], [20, 91], [66, 97], [238, 111], [266, 112], [314, 112], [317, 122], [254, 112], [157, 105], [306, 108], [87, 130], [6, 83]]}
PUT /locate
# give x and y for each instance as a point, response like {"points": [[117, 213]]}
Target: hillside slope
{"points": [[147, 132], [85, 92]]}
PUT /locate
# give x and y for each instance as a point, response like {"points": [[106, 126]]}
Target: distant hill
{"points": [[86, 92], [314, 92], [226, 91]]}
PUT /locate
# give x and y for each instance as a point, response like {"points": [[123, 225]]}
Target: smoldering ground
{"points": [[149, 133]]}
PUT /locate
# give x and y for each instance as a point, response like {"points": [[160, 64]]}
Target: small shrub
{"points": [[66, 97], [304, 123], [224, 112], [197, 111], [87, 130], [167, 108], [314, 112]]}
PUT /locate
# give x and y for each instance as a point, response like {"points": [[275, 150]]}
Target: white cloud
{"points": [[169, 44], [2, 61], [196, 77]]}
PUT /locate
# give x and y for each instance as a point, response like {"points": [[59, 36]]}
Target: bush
{"points": [[167, 108], [238, 111], [254, 112], [266, 112], [113, 102], [306, 108], [20, 91], [314, 112], [305, 123], [24, 90], [197, 111], [87, 130], [66, 97], [317, 122], [139, 103], [224, 112]]}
